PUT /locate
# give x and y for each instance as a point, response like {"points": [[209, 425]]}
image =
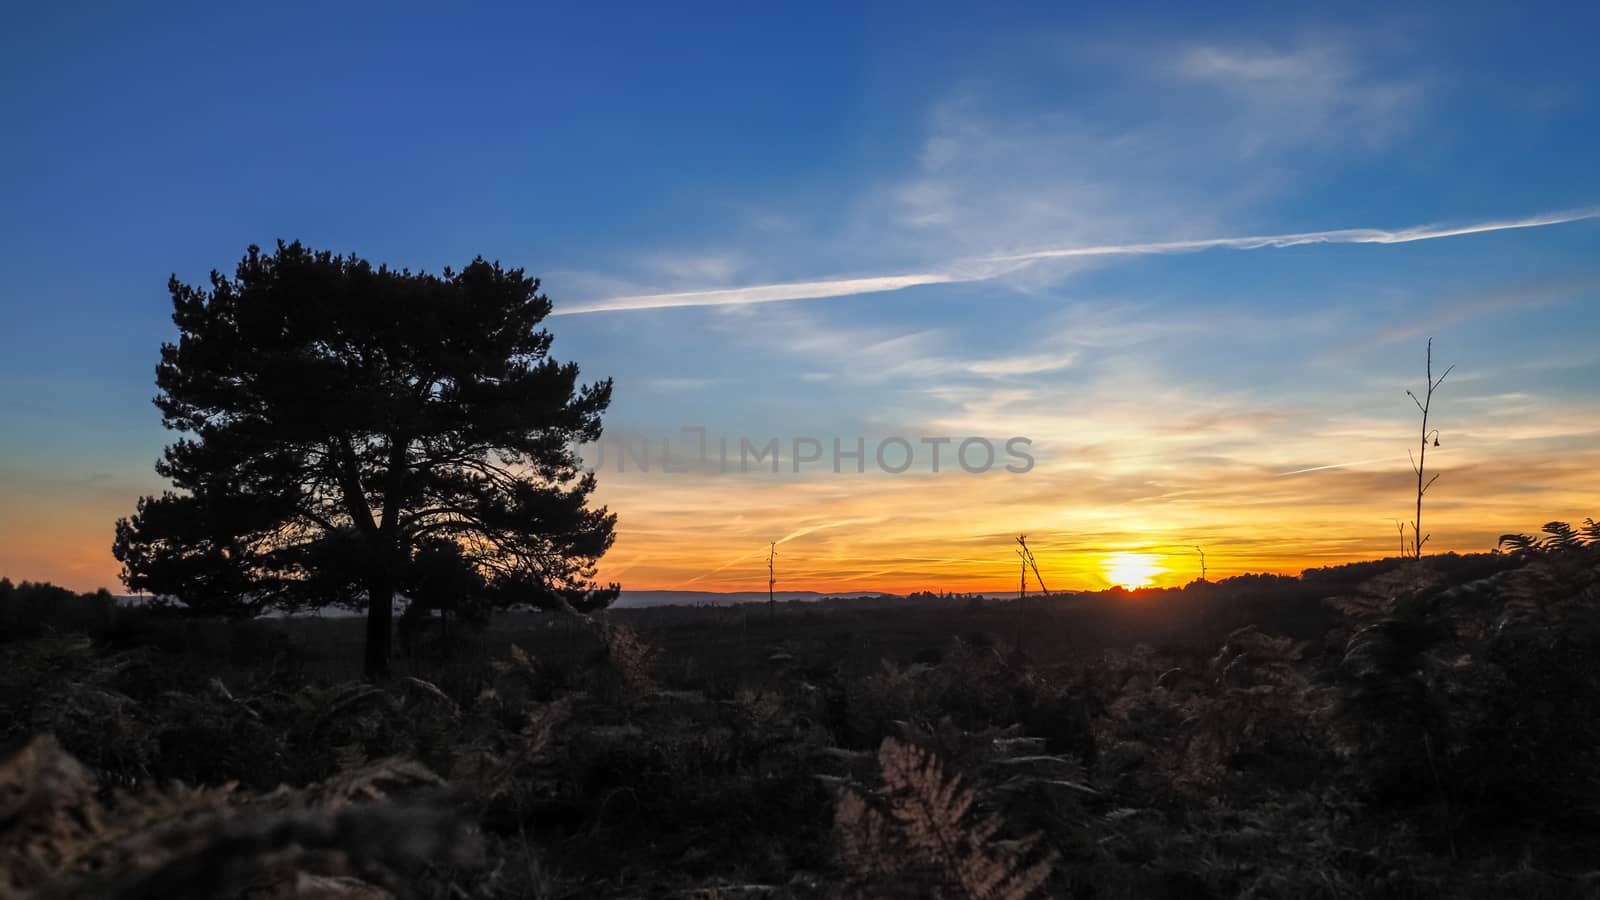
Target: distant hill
{"points": [[633, 599], [636, 599]]}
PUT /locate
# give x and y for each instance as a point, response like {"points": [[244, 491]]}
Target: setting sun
{"points": [[1132, 570]]}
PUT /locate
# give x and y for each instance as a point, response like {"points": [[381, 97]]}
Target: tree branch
{"points": [[348, 471]]}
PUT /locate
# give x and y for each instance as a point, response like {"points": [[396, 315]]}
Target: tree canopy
{"points": [[351, 431]]}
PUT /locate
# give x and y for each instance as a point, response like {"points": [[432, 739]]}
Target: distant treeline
{"points": [[32, 608], [1329, 580], [28, 609]]}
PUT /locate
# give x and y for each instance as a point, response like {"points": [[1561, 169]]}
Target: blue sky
{"points": [[641, 157]]}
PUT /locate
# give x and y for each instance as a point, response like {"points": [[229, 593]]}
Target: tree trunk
{"points": [[380, 616]]}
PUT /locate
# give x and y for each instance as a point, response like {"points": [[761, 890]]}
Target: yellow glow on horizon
{"points": [[1132, 570], [1118, 486]]}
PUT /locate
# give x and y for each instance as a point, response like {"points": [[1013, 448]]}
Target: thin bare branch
{"points": [[1442, 377], [1419, 461]]}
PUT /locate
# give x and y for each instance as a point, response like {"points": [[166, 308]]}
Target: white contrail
{"points": [[1343, 465], [764, 293], [1341, 236], [986, 268], [727, 565], [840, 523], [799, 532]]}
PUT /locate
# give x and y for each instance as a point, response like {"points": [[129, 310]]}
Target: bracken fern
{"points": [[920, 832]]}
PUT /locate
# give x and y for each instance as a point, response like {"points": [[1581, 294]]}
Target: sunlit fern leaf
{"points": [[1378, 597], [250, 850], [929, 803], [1251, 658], [372, 781], [330, 887], [431, 691], [1363, 606], [497, 773], [1270, 648], [48, 812], [631, 656], [865, 837], [933, 809], [1001, 874], [60, 838], [53, 821]]}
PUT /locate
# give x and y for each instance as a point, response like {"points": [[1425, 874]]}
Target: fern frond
{"points": [[372, 781], [865, 836], [60, 839], [924, 817]]}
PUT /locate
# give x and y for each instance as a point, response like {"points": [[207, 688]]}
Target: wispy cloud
{"points": [[1278, 97], [717, 267], [991, 267], [675, 385], [1029, 364], [1201, 135], [1519, 297]]}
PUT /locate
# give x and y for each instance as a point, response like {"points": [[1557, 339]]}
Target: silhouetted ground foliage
{"points": [[1392, 729]]}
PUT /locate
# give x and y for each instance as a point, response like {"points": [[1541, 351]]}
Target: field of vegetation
{"points": [[1406, 728]]}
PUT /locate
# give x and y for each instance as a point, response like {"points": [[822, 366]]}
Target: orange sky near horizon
{"points": [[1260, 488], [957, 533]]}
